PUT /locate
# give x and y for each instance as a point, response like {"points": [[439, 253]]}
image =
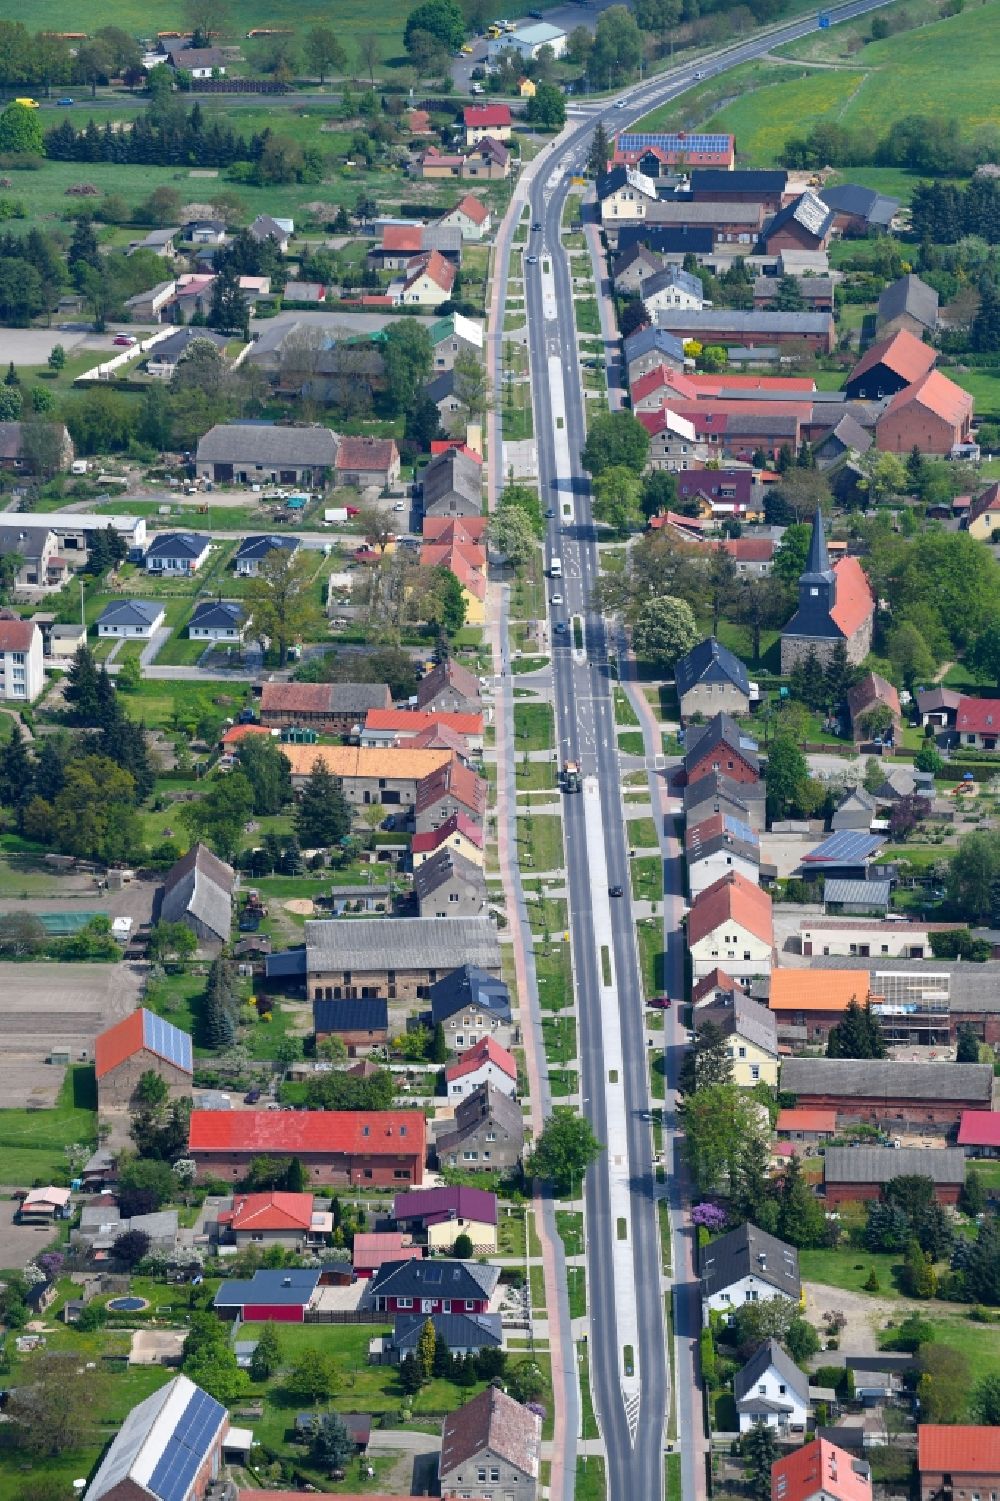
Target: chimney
{"points": [[762, 1259]]}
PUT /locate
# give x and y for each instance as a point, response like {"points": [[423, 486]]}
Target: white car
{"points": [[400, 505], [555, 599]]}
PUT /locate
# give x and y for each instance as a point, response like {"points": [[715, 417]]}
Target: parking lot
{"points": [[32, 346], [20, 1243]]}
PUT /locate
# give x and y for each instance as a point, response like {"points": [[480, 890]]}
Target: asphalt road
{"points": [[633, 1431]]}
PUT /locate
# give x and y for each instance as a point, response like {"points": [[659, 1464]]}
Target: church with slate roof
{"points": [[835, 604]]}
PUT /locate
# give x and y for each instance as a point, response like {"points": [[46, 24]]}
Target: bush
{"points": [[707, 1351]]}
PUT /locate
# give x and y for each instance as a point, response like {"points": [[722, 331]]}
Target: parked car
{"points": [[251, 1097], [659, 1002], [126, 340]]}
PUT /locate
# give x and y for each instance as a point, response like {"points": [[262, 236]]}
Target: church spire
{"points": [[818, 564]]}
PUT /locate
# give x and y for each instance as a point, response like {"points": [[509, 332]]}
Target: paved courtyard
{"points": [[57, 1006]]}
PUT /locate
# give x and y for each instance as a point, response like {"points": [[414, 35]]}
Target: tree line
{"points": [[166, 141], [922, 143], [944, 212]]}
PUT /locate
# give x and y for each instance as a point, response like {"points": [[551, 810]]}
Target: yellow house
{"points": [[456, 833], [751, 1033], [526, 88], [984, 514]]}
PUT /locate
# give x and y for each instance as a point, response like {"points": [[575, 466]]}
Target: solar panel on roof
{"points": [[166, 1040], [638, 141], [187, 1447]]}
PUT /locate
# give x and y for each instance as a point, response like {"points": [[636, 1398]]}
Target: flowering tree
{"points": [[709, 1217]]}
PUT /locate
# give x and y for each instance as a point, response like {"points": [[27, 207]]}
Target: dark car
{"points": [[560, 627], [249, 921], [616, 891], [537, 224], [551, 513], [66, 101], [251, 1097], [659, 1002]]}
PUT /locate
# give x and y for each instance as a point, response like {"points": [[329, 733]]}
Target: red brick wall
{"points": [[913, 425], [855, 1193], [726, 761], [932, 1483], [356, 1042], [935, 1116], [331, 1167]]}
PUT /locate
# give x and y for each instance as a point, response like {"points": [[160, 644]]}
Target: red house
{"points": [[433, 1286], [959, 1461], [933, 415], [720, 746], [368, 1148], [276, 1296]]}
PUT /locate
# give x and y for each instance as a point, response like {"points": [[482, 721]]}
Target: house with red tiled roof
{"points": [[418, 122], [467, 563], [452, 788], [428, 282], [364, 461], [977, 721], [458, 832], [489, 160], [490, 1435], [388, 727], [371, 1248], [804, 1128], [275, 1219], [820, 1471], [484, 1063], [889, 366], [836, 605], [486, 120], [933, 415], [363, 1148], [331, 708], [730, 924], [434, 164], [957, 1460], [871, 693], [140, 1044], [471, 216], [22, 675]]}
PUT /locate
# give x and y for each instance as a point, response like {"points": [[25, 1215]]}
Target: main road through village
{"points": [[628, 1357]]}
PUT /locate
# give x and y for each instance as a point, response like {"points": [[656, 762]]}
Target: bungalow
{"points": [[158, 241], [487, 1133], [371, 1249], [710, 679], [218, 620], [432, 1287], [272, 1295], [729, 924], [486, 1062], [166, 354], [747, 1265], [360, 1025], [199, 62], [275, 1219], [858, 210], [854, 1174], [364, 462], [442, 1214], [805, 1129], [469, 215], [771, 1390], [432, 164], [177, 552], [130, 619], [462, 1333], [278, 230]]}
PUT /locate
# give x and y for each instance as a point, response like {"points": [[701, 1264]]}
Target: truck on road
{"points": [[571, 776]]}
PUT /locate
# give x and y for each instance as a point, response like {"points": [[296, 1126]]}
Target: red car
{"points": [[659, 1002], [126, 339]]}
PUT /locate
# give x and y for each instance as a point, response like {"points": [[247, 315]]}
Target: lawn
{"points": [[647, 878], [984, 385], [569, 1223], [631, 742], [559, 1037], [642, 833], [576, 1283], [651, 955], [764, 118], [554, 974], [177, 705], [34, 1141], [588, 317], [539, 838], [625, 715], [590, 1482], [850, 1269], [534, 728]]}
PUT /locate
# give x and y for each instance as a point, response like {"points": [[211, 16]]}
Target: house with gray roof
{"points": [[130, 619], [634, 266], [253, 550], [245, 453], [471, 1004], [448, 884], [462, 1333], [486, 1133], [847, 436], [771, 1389], [177, 552], [858, 210], [714, 792], [752, 1034], [198, 891], [166, 354], [856, 810], [852, 1174], [278, 230], [452, 485], [889, 1092], [710, 678], [400, 959], [747, 1265], [910, 304], [650, 347], [804, 224], [846, 898], [672, 288], [222, 620], [750, 328]]}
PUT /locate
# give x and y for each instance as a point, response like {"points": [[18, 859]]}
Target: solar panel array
{"points": [[845, 846], [671, 141], [167, 1041], [187, 1448]]}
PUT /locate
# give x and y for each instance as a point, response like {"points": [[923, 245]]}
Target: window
{"points": [[470, 1156], [494, 1473], [481, 1473], [366, 1130], [755, 1072], [404, 1302]]}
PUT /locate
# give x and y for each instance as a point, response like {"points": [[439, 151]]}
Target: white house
{"points": [[218, 620], [672, 288], [253, 550], [528, 41], [770, 1389], [130, 619], [486, 1063], [718, 845], [729, 926], [21, 655], [747, 1266], [177, 552], [469, 215], [625, 195]]}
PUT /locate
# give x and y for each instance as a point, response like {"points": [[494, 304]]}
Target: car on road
{"points": [[531, 260], [621, 104], [537, 224], [555, 599], [126, 340], [66, 101], [659, 1002], [700, 73], [551, 513], [560, 627], [616, 891], [467, 49]]}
